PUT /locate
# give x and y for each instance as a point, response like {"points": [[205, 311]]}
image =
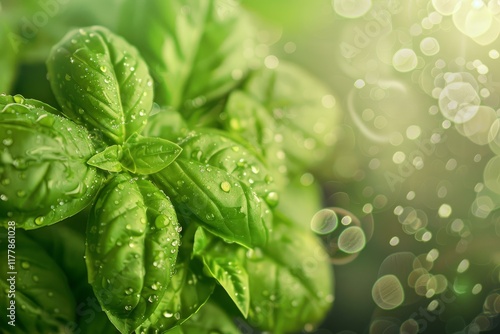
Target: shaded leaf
{"points": [[43, 299]]}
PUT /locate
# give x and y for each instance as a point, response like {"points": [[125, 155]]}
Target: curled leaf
{"points": [[44, 177], [188, 291], [230, 273]]}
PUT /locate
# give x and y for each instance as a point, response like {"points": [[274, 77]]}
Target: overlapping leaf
{"points": [[132, 242], [213, 179], [43, 299], [44, 177], [188, 291]]}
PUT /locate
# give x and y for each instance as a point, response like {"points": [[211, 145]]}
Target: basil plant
{"points": [[148, 199]]}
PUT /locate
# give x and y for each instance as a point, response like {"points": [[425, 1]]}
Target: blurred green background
{"points": [[416, 156]]}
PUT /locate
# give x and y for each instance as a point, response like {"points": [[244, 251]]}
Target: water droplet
{"points": [[25, 265], [167, 314], [225, 186], [35, 278], [128, 307], [7, 141], [39, 220], [67, 77], [272, 198], [103, 68], [210, 216]]}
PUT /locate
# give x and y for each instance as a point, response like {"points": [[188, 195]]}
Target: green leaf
{"points": [[132, 242], [109, 159], [44, 177], [197, 190], [291, 279], [147, 155], [43, 300], [97, 322], [219, 181], [249, 119], [301, 200], [188, 291], [30, 103], [303, 109], [67, 248], [197, 51], [210, 319], [101, 80], [229, 272], [219, 149], [167, 124]]}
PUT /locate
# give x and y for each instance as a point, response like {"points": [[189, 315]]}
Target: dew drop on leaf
{"points": [[7, 141], [39, 220], [225, 186]]}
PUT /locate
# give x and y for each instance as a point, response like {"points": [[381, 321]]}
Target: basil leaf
{"points": [[218, 149], [230, 273], [30, 103], [67, 248], [43, 301], [145, 155], [188, 291], [167, 124], [196, 50], [303, 109], [247, 118], [101, 80], [301, 200], [210, 319], [132, 242], [225, 205], [109, 159], [291, 279], [99, 323], [44, 177]]}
